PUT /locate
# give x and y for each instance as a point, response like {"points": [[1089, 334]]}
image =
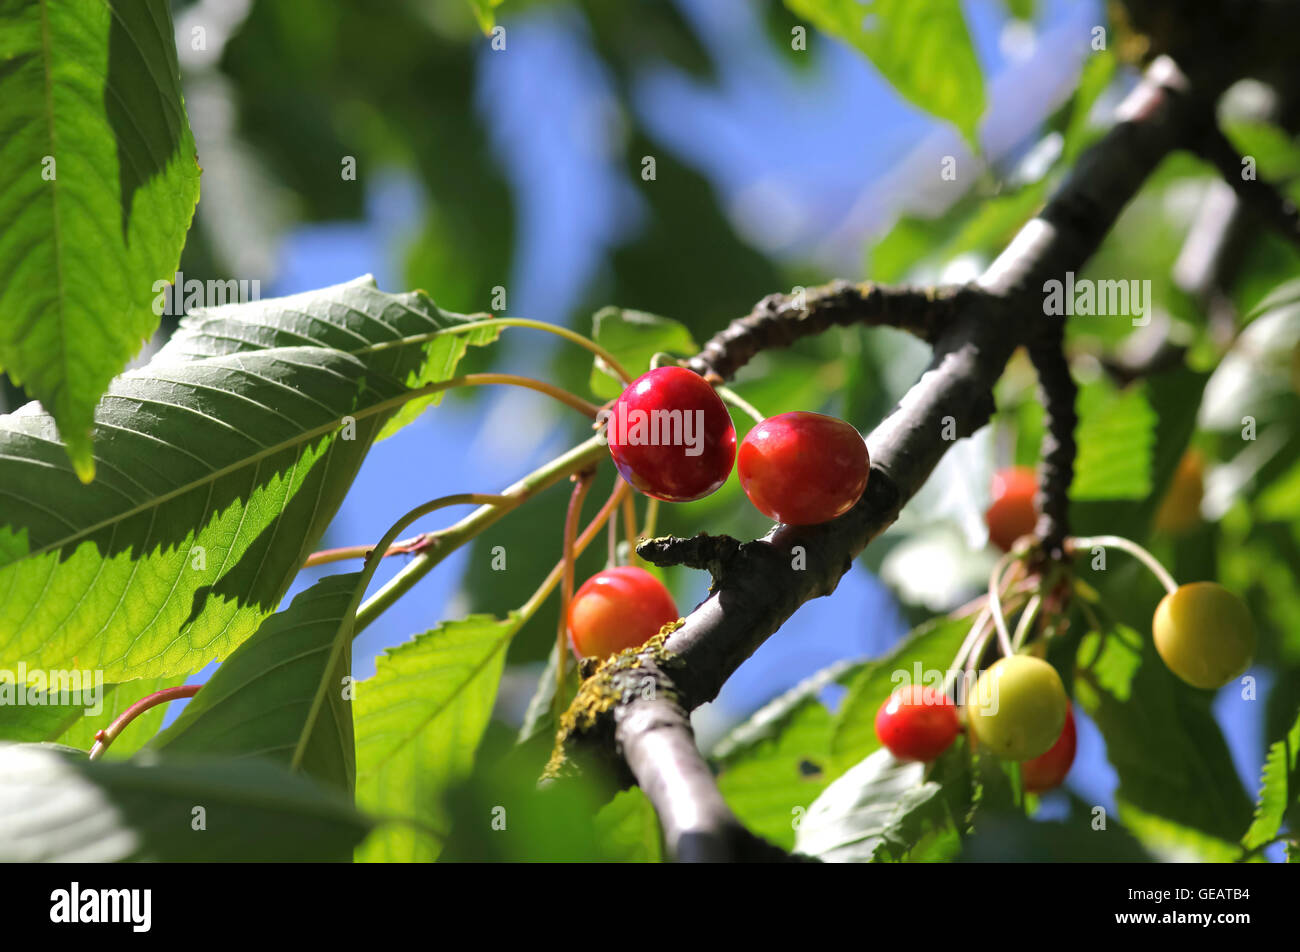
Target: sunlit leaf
{"points": [[98, 182]]}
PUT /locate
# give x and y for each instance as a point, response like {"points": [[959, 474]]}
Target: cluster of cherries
{"points": [[806, 468], [1020, 710], [797, 468]]}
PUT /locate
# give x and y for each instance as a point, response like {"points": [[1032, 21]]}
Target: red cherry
{"points": [[1046, 771], [1013, 513], [803, 468], [671, 436], [618, 608], [917, 723]]}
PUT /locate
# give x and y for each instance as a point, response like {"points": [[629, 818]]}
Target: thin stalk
{"points": [[629, 527], [976, 631], [585, 407], [651, 518], [995, 602], [529, 608], [442, 502], [1133, 549], [1026, 620], [347, 552], [581, 484], [611, 542], [740, 403], [109, 734], [581, 457], [573, 336]]}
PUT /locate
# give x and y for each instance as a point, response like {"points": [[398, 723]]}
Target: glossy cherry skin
{"points": [[1018, 708], [803, 468], [917, 723], [1046, 771], [1204, 634], [1013, 513], [616, 609], [671, 436]]}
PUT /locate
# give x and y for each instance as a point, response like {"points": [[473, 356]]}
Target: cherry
{"points": [[917, 723], [1019, 707], [1180, 510], [671, 436], [1013, 513], [1046, 771], [1204, 634], [618, 608], [803, 468]]}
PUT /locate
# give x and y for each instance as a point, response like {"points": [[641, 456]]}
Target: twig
{"points": [[781, 319]]}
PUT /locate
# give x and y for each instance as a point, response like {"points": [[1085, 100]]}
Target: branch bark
{"points": [[756, 584]]}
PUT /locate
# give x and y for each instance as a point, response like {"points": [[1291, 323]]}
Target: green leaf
{"points": [[55, 807], [922, 47], [880, 808], [229, 454], [1098, 71], [1116, 437], [261, 701], [1171, 842], [485, 13], [922, 657], [774, 765], [1160, 736], [98, 183], [633, 337], [1279, 794], [628, 829], [419, 721]]}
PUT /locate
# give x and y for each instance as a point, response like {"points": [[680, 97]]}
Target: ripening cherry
{"points": [[1047, 771], [1018, 708], [803, 468], [1180, 509], [1013, 513], [917, 723], [671, 436], [1204, 634], [616, 609]]}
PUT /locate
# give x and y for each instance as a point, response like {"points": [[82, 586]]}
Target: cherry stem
{"points": [[651, 518], [569, 399], [995, 601], [1026, 620], [611, 556], [583, 456], [629, 527], [740, 403], [579, 546], [581, 483], [105, 737], [968, 645], [1133, 549], [404, 547], [585, 342]]}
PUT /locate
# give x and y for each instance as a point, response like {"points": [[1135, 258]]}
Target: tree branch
{"points": [[1056, 468], [781, 319], [1262, 198], [759, 585]]}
